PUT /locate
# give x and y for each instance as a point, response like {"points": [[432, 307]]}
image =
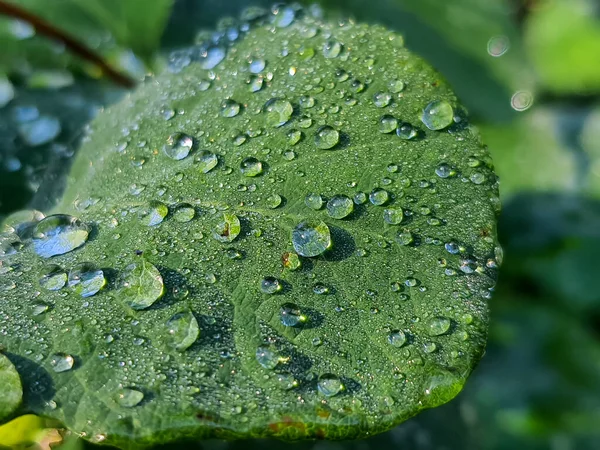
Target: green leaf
{"points": [[11, 391], [335, 319]]}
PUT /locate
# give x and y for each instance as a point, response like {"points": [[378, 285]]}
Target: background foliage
{"points": [[537, 386]]}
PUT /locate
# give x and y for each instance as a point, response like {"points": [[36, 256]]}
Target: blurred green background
{"points": [[529, 73]]}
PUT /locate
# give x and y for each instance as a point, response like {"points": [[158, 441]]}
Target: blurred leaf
{"points": [[529, 154], [561, 37], [22, 430], [11, 391]]}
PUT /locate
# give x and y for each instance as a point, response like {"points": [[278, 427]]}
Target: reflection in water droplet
{"points": [[270, 285], [228, 228], [396, 86], [274, 201], [212, 57], [153, 213], [444, 171], [59, 234], [251, 167], [405, 238], [339, 206], [294, 136], [255, 83], [311, 238], [279, 111], [61, 362], [53, 278], [182, 330], [257, 65], [178, 146], [141, 285], [327, 137], [438, 115], [128, 398], [439, 326], [86, 279], [291, 316], [397, 338], [498, 45], [329, 385]]}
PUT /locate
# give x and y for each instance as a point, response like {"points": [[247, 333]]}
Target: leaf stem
{"points": [[46, 29]]}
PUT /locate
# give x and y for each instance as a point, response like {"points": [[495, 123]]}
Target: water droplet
{"points": [[279, 111], [477, 178], [439, 326], [291, 261], [257, 65], [40, 308], [388, 124], [357, 86], [393, 216], [286, 381], [204, 85], [62, 362], [405, 238], [230, 108], [153, 213], [178, 146], [327, 137], [294, 136], [329, 385], [39, 131], [438, 115], [397, 338], [270, 285], [332, 49], [320, 289], [141, 285], [291, 316], [274, 201], [314, 201], [182, 330], [228, 228], [207, 161], [183, 213], [452, 248], [307, 101], [59, 234], [251, 167], [429, 347], [311, 238], [255, 83], [128, 398], [396, 86], [267, 357], [379, 197], [360, 198], [53, 278], [444, 171], [86, 279], [406, 131], [340, 206], [211, 57], [382, 99]]}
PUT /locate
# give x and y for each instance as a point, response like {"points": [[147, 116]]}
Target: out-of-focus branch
{"points": [[46, 29]]}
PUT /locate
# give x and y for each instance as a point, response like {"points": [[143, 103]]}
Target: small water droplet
{"points": [[279, 111], [228, 228], [267, 357], [270, 285], [53, 278], [183, 213], [332, 49], [379, 197], [439, 326], [382, 99], [153, 213], [291, 316], [388, 124], [396, 86], [438, 115], [291, 261], [86, 279], [128, 397], [183, 330], [59, 234], [444, 171], [251, 167], [330, 385], [397, 338], [340, 206], [62, 362], [393, 216], [311, 238], [207, 161], [230, 108], [327, 137], [178, 146]]}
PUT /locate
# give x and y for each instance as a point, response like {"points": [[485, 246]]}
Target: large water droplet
{"points": [[178, 146], [382, 99], [183, 330], [388, 124], [393, 216], [438, 115], [267, 357], [313, 201], [86, 279], [406, 131], [228, 228], [270, 285], [311, 238], [153, 213], [397, 338], [439, 326], [329, 385], [279, 111], [291, 315], [327, 137], [379, 197], [291, 261], [251, 167], [207, 161], [230, 108], [53, 278], [59, 234], [183, 213], [211, 57], [141, 285], [62, 362], [340, 206], [332, 49], [128, 398]]}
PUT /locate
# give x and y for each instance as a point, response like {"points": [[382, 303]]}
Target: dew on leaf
{"points": [[228, 228], [182, 330], [62, 362], [178, 146], [59, 234], [290, 315], [339, 206], [255, 83], [257, 65], [273, 201], [397, 338], [141, 285], [329, 384], [438, 115], [207, 161], [311, 238], [327, 137], [183, 213], [153, 213], [278, 111], [251, 167], [128, 397], [444, 171], [53, 278], [438, 326], [379, 197], [388, 124], [406, 131], [382, 99], [286, 381], [332, 49], [86, 279], [291, 261], [294, 136], [396, 86], [267, 357], [212, 57], [405, 238], [313, 201], [393, 216], [270, 285]]}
